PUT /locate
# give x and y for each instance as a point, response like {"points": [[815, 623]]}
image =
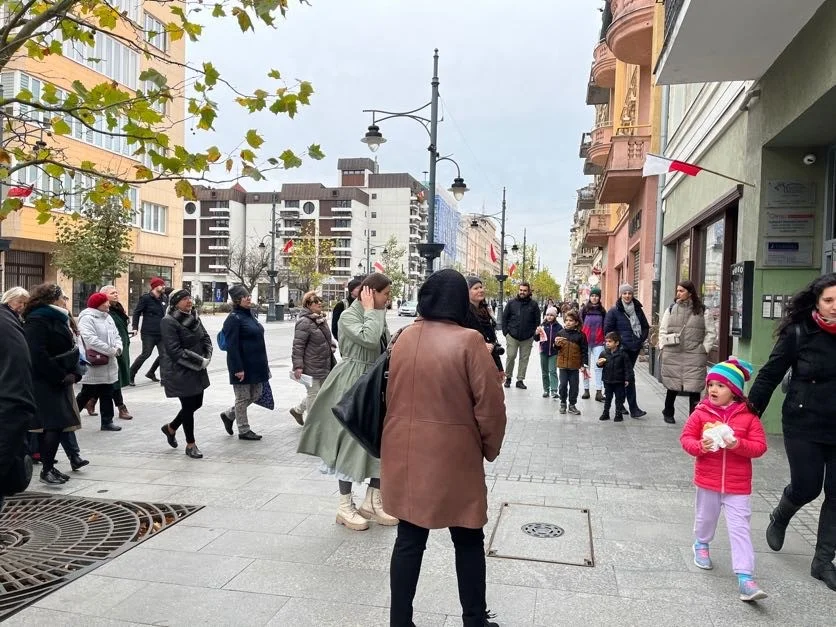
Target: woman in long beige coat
{"points": [[686, 335], [445, 416]]}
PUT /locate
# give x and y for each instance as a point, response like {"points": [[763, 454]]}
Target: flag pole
{"points": [[726, 176]]}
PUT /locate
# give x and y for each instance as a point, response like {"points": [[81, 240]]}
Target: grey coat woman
{"points": [[313, 351], [363, 337], [686, 334]]}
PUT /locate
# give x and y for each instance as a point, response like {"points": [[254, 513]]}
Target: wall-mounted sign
{"points": [[787, 253], [789, 222], [742, 282], [781, 193]]}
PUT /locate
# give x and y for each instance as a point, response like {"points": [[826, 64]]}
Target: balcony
{"points": [[718, 40], [219, 229], [595, 94], [599, 149], [623, 173], [586, 197], [586, 142], [598, 229], [603, 67], [342, 210], [220, 212], [341, 229], [630, 36]]}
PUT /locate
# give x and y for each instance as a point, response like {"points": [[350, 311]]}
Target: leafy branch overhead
{"points": [[138, 115]]}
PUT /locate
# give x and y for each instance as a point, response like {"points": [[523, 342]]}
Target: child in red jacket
{"points": [[724, 435]]}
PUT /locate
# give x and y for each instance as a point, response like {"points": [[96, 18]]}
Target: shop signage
{"points": [[781, 252], [790, 222], [781, 193]]}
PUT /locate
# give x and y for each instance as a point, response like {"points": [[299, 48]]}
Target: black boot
{"points": [[822, 567], [778, 521]]}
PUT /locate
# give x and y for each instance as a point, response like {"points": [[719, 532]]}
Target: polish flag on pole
{"points": [[288, 247], [378, 267], [511, 269], [655, 165], [20, 191], [493, 255]]}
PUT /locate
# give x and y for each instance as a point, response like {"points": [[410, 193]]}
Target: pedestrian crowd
{"points": [[444, 411]]}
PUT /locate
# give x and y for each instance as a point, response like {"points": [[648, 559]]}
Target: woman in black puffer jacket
{"points": [[806, 344], [480, 319]]}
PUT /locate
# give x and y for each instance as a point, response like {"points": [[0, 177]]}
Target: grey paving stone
{"points": [[632, 555], [92, 595], [273, 546], [302, 504], [315, 613], [182, 538], [133, 492], [514, 605], [559, 608], [293, 485], [99, 472], [213, 517], [197, 569], [167, 604], [231, 499], [364, 586], [203, 479], [38, 617], [599, 579]]}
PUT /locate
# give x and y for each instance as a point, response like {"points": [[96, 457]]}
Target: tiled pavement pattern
{"points": [[265, 549]]}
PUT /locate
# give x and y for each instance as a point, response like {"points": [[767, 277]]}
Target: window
{"points": [[374, 233], [130, 8], [346, 204], [153, 217], [374, 196], [291, 203], [636, 270], [108, 57], [342, 223], [155, 94], [155, 33], [683, 261], [374, 214]]}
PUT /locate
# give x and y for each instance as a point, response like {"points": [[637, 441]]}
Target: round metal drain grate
{"points": [[542, 530], [46, 541]]}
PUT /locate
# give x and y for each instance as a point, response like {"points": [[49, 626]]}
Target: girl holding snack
{"points": [[547, 333], [724, 435]]}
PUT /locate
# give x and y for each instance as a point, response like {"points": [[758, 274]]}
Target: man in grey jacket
{"points": [[519, 323]]}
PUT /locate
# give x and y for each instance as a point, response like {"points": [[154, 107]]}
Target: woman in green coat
{"points": [[363, 337]]}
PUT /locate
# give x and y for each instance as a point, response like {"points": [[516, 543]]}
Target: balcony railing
{"points": [[672, 9], [586, 142]]}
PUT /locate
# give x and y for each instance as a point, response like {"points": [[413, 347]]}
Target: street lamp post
{"points": [[271, 298], [524, 252], [430, 250]]}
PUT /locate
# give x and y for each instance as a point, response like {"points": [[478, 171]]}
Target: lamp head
{"points": [[458, 188], [373, 138]]}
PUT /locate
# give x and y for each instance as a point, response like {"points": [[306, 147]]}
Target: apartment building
{"points": [[764, 118], [157, 237], [622, 221]]}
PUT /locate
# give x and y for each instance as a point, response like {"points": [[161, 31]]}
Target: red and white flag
{"points": [[511, 269], [288, 247], [20, 191], [655, 165], [493, 255], [378, 267]]}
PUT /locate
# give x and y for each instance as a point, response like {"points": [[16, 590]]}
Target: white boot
{"points": [[372, 508], [347, 514]]}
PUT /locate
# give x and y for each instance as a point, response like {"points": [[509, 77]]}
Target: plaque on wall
{"points": [[781, 193], [783, 222], [781, 252]]}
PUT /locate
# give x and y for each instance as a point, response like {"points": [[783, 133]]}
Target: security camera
{"points": [[809, 159]]}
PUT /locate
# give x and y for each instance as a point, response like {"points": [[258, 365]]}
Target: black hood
{"points": [[445, 296]]}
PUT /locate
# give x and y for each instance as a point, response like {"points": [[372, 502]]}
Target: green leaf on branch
{"points": [[244, 21], [252, 172], [247, 155], [54, 170], [290, 160], [218, 11], [153, 76], [229, 165], [213, 154], [210, 74], [185, 190], [60, 127], [9, 205], [305, 92], [254, 139], [315, 152]]}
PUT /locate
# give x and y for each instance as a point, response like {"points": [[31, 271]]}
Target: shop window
{"points": [[683, 259], [712, 268], [636, 271]]}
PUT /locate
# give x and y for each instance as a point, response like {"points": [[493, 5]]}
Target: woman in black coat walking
{"points": [[807, 345], [187, 350], [55, 369]]}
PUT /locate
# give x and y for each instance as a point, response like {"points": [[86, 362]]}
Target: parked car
{"points": [[409, 308]]}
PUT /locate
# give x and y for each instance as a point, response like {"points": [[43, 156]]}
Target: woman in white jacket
{"points": [[101, 343]]}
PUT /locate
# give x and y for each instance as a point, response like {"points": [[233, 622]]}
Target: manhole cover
{"points": [[47, 541], [516, 537], [542, 530]]}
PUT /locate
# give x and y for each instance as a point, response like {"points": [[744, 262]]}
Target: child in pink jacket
{"points": [[724, 435]]}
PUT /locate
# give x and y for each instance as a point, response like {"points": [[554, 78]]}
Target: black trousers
{"points": [[617, 390], [103, 392], [631, 389], [185, 417], [405, 568], [149, 343], [569, 379], [670, 399]]}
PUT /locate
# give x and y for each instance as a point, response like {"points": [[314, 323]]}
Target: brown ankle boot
{"points": [[91, 407], [123, 413]]}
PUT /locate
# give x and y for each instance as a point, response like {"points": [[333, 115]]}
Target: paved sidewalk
{"points": [[265, 550]]}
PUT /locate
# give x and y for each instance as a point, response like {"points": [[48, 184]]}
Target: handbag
{"points": [[96, 358], [362, 408], [266, 398], [785, 382]]}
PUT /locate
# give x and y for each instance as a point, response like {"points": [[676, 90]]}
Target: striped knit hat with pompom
{"points": [[733, 373]]}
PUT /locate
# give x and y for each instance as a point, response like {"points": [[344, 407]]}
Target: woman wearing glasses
{"points": [[313, 351]]}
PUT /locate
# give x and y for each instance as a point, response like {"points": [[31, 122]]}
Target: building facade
{"points": [[622, 221], [157, 236], [764, 118]]}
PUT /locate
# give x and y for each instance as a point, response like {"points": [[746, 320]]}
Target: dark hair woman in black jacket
{"points": [[806, 345], [480, 318]]}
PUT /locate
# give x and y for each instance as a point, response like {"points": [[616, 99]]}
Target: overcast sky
{"points": [[513, 87]]}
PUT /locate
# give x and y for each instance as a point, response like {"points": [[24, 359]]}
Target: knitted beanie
{"points": [[551, 311], [96, 300], [595, 291], [156, 282], [733, 373], [625, 288]]}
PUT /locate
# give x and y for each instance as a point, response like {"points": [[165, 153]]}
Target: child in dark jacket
{"points": [[573, 352], [618, 374], [547, 333]]}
